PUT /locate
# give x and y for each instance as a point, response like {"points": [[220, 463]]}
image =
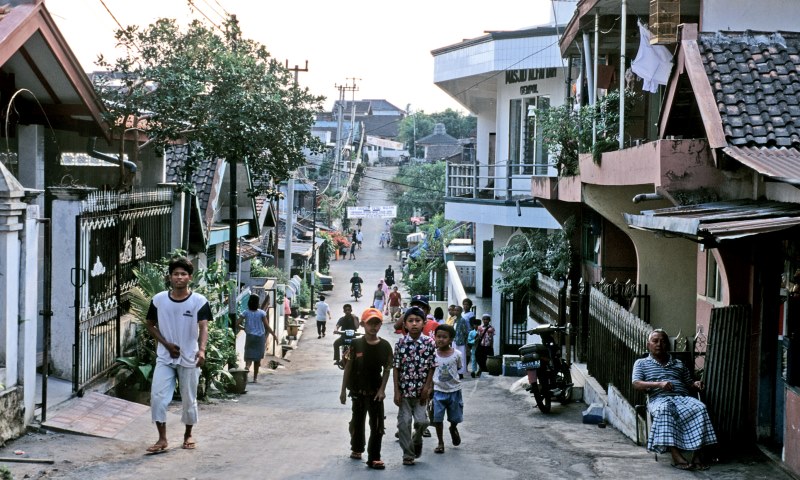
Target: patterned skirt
{"points": [[680, 422], [254, 346]]}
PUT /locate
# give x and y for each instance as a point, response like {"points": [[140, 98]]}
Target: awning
{"points": [[712, 223], [781, 164]]}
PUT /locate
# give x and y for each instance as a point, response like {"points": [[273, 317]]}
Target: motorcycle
{"points": [[548, 373], [347, 338], [356, 290]]}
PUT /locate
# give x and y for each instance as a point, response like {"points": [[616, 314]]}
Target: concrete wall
{"points": [[11, 422], [667, 265], [791, 436], [739, 15]]}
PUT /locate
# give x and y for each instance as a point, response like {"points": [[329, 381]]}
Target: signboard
{"points": [[372, 212]]}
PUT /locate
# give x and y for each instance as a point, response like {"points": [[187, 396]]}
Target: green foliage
{"points": [[417, 282], [534, 251], [400, 230], [213, 283], [566, 133], [326, 252], [5, 473], [304, 295], [420, 124], [223, 94], [421, 189]]}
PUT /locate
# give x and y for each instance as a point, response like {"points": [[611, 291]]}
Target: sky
{"points": [[381, 47]]}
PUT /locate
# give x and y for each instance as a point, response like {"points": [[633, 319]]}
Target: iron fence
{"points": [[115, 232]]}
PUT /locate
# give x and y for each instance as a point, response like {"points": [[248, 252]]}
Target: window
{"points": [[590, 247], [526, 154], [713, 278]]}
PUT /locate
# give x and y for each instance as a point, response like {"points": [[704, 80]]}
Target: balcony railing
{"points": [[503, 181]]}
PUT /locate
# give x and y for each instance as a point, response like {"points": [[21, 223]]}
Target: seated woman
{"points": [[680, 421]]}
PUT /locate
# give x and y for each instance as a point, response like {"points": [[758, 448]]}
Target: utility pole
{"points": [[314, 245], [337, 167], [287, 251]]}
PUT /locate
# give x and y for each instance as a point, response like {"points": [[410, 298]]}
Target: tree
{"points": [[224, 95], [421, 189], [420, 124]]}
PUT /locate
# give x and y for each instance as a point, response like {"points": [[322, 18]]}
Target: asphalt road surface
{"points": [[291, 425]]}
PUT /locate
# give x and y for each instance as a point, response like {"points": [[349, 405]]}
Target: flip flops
{"points": [[157, 448], [189, 444], [355, 455], [681, 466], [376, 464], [439, 449], [408, 461]]}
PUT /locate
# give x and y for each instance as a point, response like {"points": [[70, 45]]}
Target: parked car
{"points": [[326, 281]]}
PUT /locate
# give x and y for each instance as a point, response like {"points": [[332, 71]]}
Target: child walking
{"points": [[413, 382], [366, 376], [447, 386], [472, 342]]}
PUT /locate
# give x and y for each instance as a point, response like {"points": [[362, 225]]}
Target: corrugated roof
{"points": [[777, 163], [712, 223]]}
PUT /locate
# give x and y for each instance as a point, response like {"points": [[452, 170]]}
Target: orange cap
{"points": [[371, 313]]}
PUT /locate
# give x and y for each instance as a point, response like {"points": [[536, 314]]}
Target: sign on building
{"points": [[372, 212]]}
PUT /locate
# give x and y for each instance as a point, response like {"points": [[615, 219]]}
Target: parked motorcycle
{"points": [[347, 338], [548, 373]]}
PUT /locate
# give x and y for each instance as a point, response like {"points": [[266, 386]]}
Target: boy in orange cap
{"points": [[366, 376]]}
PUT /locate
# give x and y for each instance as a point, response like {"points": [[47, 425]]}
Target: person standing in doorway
{"points": [[323, 315], [178, 321], [485, 344]]}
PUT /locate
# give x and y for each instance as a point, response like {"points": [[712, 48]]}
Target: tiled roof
{"points": [[202, 178], [755, 79], [385, 126]]}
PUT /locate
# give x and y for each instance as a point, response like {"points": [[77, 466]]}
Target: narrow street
{"points": [[291, 425]]}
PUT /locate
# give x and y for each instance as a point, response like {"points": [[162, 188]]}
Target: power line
{"points": [[112, 15], [192, 5]]}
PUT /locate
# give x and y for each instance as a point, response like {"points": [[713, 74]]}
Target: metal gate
{"points": [[114, 233]]}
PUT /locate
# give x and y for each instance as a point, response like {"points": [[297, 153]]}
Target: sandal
{"points": [[681, 466], [189, 444], [376, 464], [355, 455], [699, 466], [157, 448], [408, 461], [439, 449]]}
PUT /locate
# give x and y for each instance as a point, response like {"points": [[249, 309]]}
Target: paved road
{"points": [[291, 426]]}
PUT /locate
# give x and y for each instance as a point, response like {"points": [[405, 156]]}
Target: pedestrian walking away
{"points": [[413, 383], [680, 420], [323, 315], [359, 238], [353, 251], [256, 329], [382, 241], [365, 377], [485, 343], [178, 321], [447, 387], [347, 322]]}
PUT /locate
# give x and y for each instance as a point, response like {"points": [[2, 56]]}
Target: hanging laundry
{"points": [[653, 63]]}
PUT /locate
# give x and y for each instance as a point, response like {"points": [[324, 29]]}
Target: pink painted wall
{"points": [[791, 435], [672, 164]]}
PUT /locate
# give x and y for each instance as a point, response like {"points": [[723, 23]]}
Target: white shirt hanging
{"points": [[653, 63]]}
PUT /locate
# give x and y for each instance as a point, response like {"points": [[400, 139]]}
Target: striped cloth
{"points": [[678, 420]]}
